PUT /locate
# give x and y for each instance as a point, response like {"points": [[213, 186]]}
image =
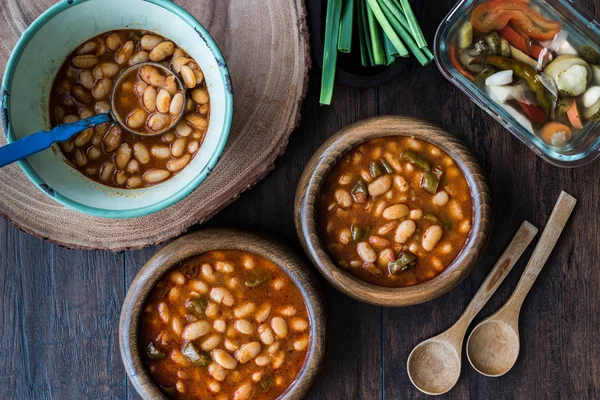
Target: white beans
{"points": [[244, 310], [301, 343], [140, 152], [193, 146], [244, 327], [85, 61], [179, 62], [266, 334], [197, 121], [217, 371], [123, 156], [86, 78], [211, 342], [106, 70], [158, 121], [441, 198], [176, 104], [162, 51], [279, 327], [149, 42], [247, 352], [125, 52], [156, 175], [139, 57], [163, 312], [224, 359], [263, 313], [183, 129], [366, 252], [112, 140], [299, 324], [149, 98], [222, 295], [178, 147], [151, 76], [243, 392], [137, 118], [343, 198], [160, 152], [380, 185], [113, 41], [163, 101], [189, 79], [397, 211], [199, 95], [431, 237], [405, 230], [195, 330], [81, 94]]}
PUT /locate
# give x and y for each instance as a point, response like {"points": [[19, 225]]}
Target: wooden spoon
{"points": [[434, 364], [493, 346]]}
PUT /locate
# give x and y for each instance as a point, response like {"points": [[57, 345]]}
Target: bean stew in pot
{"points": [[108, 154], [225, 325], [395, 211]]}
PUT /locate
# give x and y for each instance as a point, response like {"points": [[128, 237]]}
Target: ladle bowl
{"points": [[493, 348]]}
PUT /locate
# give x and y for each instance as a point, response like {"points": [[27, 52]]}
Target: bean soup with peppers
{"points": [[150, 99], [395, 211], [225, 325]]}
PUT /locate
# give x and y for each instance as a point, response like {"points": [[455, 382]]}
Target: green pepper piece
{"points": [[154, 353], [416, 158], [197, 357], [266, 384], [197, 306], [359, 191], [432, 218], [388, 168], [357, 232], [484, 74], [375, 169], [256, 281], [405, 260], [525, 72], [589, 54], [429, 182]]}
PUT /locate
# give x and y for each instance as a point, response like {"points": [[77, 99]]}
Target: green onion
{"points": [[397, 19], [390, 51], [376, 36], [405, 260], [386, 166], [414, 25], [359, 191], [367, 33], [375, 169], [364, 51], [387, 28], [346, 24], [332, 27]]}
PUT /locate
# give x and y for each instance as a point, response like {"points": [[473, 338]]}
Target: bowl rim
{"points": [[325, 158], [102, 212], [221, 239]]}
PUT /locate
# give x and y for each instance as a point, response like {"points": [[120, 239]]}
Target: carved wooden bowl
{"points": [[219, 239], [325, 159]]}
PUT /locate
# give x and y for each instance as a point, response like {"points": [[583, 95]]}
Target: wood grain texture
{"points": [[266, 47], [369, 345], [198, 243], [328, 155], [493, 346], [434, 365]]}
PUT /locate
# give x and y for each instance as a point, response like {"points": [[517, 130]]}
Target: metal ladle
{"points": [[42, 140]]}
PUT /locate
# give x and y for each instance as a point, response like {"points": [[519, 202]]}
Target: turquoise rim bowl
{"points": [[72, 188]]}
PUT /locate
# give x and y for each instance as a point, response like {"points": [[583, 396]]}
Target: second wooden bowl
{"points": [[201, 242], [322, 162]]}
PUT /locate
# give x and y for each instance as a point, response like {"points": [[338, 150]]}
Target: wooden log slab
{"points": [[265, 43]]}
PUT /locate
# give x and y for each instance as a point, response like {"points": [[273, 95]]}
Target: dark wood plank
{"points": [[60, 310], [560, 355]]}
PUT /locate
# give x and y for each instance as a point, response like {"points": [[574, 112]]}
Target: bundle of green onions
{"points": [[386, 29]]}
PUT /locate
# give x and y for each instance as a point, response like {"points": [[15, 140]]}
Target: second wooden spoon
{"points": [[434, 364]]}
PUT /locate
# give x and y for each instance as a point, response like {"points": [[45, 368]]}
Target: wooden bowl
{"points": [[324, 160], [200, 242]]}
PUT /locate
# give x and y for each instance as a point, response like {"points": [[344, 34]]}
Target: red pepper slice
{"points": [[535, 113], [522, 43], [457, 64], [495, 15]]}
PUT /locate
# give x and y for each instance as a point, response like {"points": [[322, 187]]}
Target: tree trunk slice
{"points": [[265, 43]]}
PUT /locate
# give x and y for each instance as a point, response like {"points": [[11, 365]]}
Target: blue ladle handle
{"points": [[39, 141]]}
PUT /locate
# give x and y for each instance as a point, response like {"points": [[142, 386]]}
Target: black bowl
{"points": [[349, 70]]}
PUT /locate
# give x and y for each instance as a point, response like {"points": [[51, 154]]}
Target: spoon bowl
{"points": [[493, 348], [434, 366]]}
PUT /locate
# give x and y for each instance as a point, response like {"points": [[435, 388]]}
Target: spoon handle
{"points": [[554, 227], [39, 141], [505, 263]]}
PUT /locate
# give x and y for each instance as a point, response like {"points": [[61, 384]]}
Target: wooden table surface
{"points": [[60, 308]]}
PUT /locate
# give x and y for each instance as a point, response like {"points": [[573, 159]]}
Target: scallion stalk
{"points": [[387, 28], [390, 51], [364, 54], [419, 54], [376, 36], [364, 20], [412, 22], [346, 25], [332, 26]]}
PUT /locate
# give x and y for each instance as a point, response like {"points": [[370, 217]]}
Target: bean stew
{"points": [[225, 325], [395, 211], [108, 154]]}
